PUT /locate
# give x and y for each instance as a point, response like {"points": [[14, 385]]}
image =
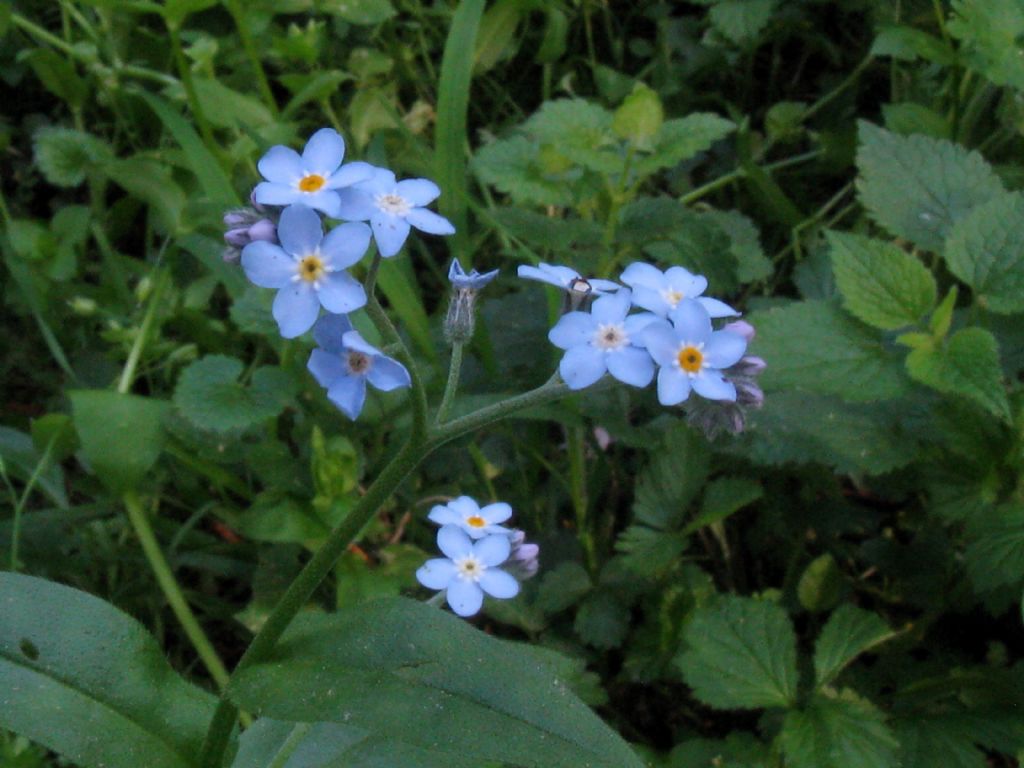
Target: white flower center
{"points": [[357, 363], [392, 203], [610, 337], [672, 296], [469, 568]]}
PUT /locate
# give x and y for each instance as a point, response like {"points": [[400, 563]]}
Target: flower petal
{"points": [[717, 308], [661, 342], [582, 366], [631, 365], [273, 193], [572, 330], [340, 292], [465, 506], [612, 308], [673, 386], [349, 394], [442, 514], [724, 349], [429, 222], [437, 573], [349, 174], [651, 299], [636, 324], [299, 230], [323, 152], [354, 340], [355, 204], [267, 265], [454, 542], [692, 321], [381, 182], [324, 200], [496, 583], [465, 597], [419, 192], [281, 165], [325, 367], [546, 275], [345, 244], [295, 309], [714, 386], [389, 232], [387, 374], [498, 512], [684, 281], [639, 273], [603, 286], [493, 550], [329, 332]]}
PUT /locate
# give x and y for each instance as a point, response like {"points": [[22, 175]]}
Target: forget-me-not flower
{"points": [[312, 178], [344, 362], [392, 207], [475, 520], [604, 339], [307, 268], [692, 355], [660, 292], [471, 281], [566, 278], [469, 569]]}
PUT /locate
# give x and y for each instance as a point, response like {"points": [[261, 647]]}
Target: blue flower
{"points": [[344, 362], [566, 278], [307, 268], [468, 570], [603, 340], [312, 178], [692, 355], [474, 281], [475, 520], [392, 207], [660, 292]]}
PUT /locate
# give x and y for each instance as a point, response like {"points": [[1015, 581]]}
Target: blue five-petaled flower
{"points": [[475, 520], [312, 178], [344, 362], [307, 268], [392, 207], [604, 339], [469, 569], [660, 292]]}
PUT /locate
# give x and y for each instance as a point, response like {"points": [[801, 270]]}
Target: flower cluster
{"points": [[474, 544]]}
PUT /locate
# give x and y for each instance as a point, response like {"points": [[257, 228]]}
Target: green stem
{"points": [[128, 373], [190, 90], [235, 9], [578, 488], [19, 508], [172, 590], [452, 386]]}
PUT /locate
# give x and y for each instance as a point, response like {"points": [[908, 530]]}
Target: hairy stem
{"points": [[452, 386]]}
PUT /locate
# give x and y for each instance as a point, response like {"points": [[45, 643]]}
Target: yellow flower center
{"points": [[476, 521], [690, 359], [311, 269], [312, 183], [672, 296]]}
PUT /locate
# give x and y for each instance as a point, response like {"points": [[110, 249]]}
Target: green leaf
{"points": [[929, 741], [967, 364], [918, 187], [910, 43], [151, 182], [210, 396], [602, 621], [66, 156], [121, 435], [176, 11], [741, 654], [990, 33], [563, 586], [821, 584], [682, 139], [849, 632], [89, 682], [986, 251], [996, 558], [277, 518], [227, 108], [881, 284], [511, 165], [364, 12], [58, 76], [722, 497], [741, 21], [648, 551], [737, 750], [401, 290], [814, 346], [907, 118], [20, 458], [671, 481], [579, 130], [406, 671], [843, 731], [639, 117]]}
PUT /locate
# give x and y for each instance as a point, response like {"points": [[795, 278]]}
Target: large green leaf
{"points": [[741, 654], [882, 285], [843, 731], [89, 682], [849, 632], [986, 251], [408, 672], [918, 187], [683, 138], [996, 557], [990, 32]]}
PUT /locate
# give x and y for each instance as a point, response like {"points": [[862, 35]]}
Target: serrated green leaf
{"points": [[65, 156], [648, 551], [671, 481], [843, 731], [849, 632], [814, 346], [986, 251], [881, 284], [996, 558], [909, 43], [821, 584], [918, 187], [406, 671], [152, 183], [682, 139], [929, 741], [741, 654], [277, 518], [510, 165], [990, 33], [89, 682], [967, 365], [741, 21], [908, 118], [722, 497], [209, 395], [602, 621], [579, 130], [121, 435], [563, 586], [639, 117], [737, 750], [751, 263]]}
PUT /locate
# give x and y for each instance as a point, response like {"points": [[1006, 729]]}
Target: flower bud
{"points": [[523, 561], [461, 318], [749, 366], [741, 328]]}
